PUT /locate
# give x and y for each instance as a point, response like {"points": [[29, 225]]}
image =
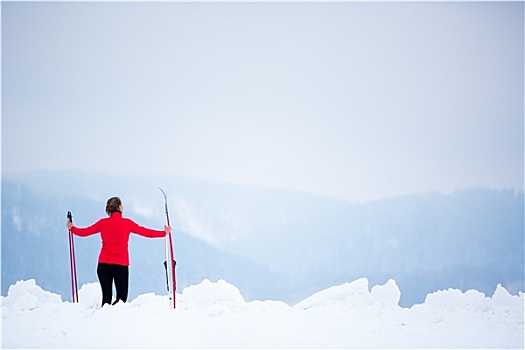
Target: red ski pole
{"points": [[72, 263]]}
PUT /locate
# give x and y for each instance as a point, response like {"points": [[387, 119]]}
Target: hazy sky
{"points": [[353, 100]]}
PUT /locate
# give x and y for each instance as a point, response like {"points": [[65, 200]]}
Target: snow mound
{"points": [[454, 300], [27, 295], [216, 315], [207, 294], [353, 295]]}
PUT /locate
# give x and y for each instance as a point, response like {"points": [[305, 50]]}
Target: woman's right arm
{"points": [[86, 231]]}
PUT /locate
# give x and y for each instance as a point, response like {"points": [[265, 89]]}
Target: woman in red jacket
{"points": [[113, 261]]}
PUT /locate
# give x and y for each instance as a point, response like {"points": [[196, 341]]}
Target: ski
{"points": [[171, 283], [72, 263]]}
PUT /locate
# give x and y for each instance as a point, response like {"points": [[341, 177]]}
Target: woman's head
{"points": [[114, 204]]}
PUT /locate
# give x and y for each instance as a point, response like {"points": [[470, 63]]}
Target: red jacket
{"points": [[115, 232]]}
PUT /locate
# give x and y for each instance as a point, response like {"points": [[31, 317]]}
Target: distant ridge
{"points": [[272, 244]]}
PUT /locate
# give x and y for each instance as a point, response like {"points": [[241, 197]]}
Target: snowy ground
{"points": [[215, 315]]}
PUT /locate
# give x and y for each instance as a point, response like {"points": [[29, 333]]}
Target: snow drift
{"points": [[216, 315]]}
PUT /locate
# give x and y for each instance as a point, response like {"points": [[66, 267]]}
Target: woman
{"points": [[113, 261]]}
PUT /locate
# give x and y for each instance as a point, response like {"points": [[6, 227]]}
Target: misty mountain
{"points": [[272, 244]]}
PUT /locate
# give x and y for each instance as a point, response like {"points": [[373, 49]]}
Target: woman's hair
{"points": [[112, 205]]}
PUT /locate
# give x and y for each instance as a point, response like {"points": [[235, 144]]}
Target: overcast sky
{"points": [[354, 100]]}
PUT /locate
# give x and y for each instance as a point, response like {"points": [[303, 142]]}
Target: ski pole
{"points": [[72, 263], [170, 256]]}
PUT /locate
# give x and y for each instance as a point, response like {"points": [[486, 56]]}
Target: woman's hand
{"points": [[167, 229], [69, 225]]}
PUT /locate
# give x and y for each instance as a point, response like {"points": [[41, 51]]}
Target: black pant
{"points": [[107, 273]]}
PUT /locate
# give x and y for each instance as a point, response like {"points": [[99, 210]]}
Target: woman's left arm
{"points": [[147, 232]]}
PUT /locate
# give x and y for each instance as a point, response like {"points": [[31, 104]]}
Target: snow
{"points": [[216, 315]]}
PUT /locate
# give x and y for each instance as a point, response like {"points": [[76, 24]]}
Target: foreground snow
{"points": [[215, 315]]}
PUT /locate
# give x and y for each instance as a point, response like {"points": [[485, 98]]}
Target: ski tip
{"points": [[163, 192]]}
